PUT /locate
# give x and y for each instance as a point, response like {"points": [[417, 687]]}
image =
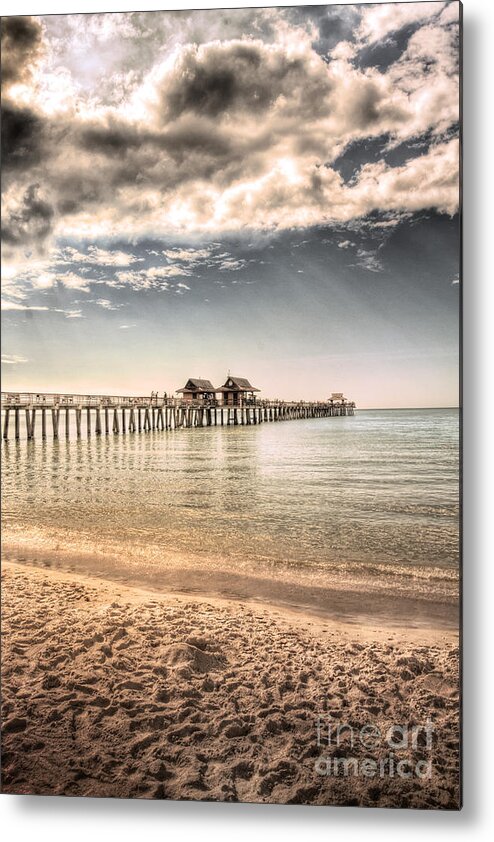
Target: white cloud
{"points": [[450, 13], [70, 314], [164, 272], [13, 359], [16, 305], [97, 256], [232, 264], [153, 277], [106, 304], [427, 181], [72, 280], [381, 19], [367, 259], [187, 255]]}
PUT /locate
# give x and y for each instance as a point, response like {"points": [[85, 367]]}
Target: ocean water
{"points": [[355, 517]]}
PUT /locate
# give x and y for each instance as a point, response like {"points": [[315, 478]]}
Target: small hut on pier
{"points": [[198, 390], [340, 405], [237, 391]]}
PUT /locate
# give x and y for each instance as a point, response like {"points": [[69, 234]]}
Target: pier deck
{"points": [[121, 414]]}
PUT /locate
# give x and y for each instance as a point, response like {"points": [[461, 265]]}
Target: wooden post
{"points": [[88, 416], [123, 420], [116, 428], [43, 423], [67, 422], [55, 415], [139, 419], [78, 421], [107, 422], [6, 424], [97, 429]]}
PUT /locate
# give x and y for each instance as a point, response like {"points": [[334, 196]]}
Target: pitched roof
{"points": [[196, 385], [238, 384]]}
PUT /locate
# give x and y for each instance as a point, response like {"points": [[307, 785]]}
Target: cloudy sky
{"points": [[268, 191]]}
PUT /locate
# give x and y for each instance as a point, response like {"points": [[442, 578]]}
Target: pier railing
{"points": [[105, 414], [49, 399]]}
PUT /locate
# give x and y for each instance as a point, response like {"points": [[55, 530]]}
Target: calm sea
{"points": [[356, 517]]}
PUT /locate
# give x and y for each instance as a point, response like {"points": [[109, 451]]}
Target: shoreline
{"points": [[294, 614], [354, 602], [111, 690]]}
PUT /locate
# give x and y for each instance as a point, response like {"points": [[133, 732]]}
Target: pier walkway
{"points": [[121, 414]]}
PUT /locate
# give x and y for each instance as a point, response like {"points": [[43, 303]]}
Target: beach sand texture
{"points": [[114, 691]]}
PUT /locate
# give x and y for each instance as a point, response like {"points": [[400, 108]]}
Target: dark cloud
{"points": [[21, 48], [32, 222], [78, 190], [179, 140], [192, 135], [228, 77], [21, 127], [110, 138], [21, 137]]}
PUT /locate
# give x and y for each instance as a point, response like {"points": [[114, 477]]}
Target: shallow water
{"points": [[306, 512]]}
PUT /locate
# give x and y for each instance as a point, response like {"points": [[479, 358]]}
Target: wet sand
{"points": [[110, 690]]}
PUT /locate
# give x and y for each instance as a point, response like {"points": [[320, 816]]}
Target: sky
{"points": [[268, 192]]}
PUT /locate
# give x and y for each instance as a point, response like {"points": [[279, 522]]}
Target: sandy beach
{"points": [[114, 691]]}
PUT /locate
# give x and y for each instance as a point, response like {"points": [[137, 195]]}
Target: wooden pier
{"points": [[111, 415]]}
